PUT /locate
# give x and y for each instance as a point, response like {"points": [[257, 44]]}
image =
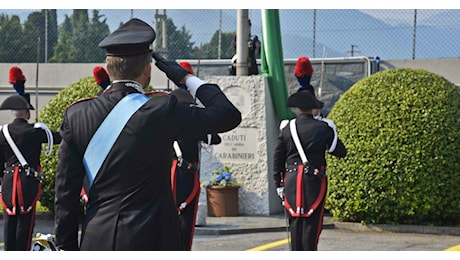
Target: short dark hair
{"points": [[127, 67]]}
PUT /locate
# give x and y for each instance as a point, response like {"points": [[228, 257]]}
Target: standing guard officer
{"points": [[131, 204], [20, 184], [300, 169]]}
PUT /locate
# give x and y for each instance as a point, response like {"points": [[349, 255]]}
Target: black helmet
{"points": [[16, 102]]}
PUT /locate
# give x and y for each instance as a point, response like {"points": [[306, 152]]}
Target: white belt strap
{"points": [[178, 152], [13, 145], [295, 137]]}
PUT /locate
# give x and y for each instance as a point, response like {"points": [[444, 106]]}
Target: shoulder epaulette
{"points": [[81, 100], [284, 123]]}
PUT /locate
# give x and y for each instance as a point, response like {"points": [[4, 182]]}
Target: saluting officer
{"points": [[131, 204], [20, 185], [301, 181], [185, 175]]}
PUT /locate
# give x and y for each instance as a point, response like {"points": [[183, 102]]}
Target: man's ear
{"points": [[28, 114], [148, 70]]}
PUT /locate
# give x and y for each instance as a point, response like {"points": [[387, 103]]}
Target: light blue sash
{"points": [[107, 133]]}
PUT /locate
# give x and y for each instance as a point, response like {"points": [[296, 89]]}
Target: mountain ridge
{"points": [[336, 30]]}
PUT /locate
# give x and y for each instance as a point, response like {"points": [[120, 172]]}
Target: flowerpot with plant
{"points": [[222, 193]]}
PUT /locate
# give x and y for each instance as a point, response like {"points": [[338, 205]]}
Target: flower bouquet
{"points": [[222, 193], [222, 177]]}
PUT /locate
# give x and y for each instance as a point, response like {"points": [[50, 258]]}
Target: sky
{"points": [[407, 14], [233, 4]]}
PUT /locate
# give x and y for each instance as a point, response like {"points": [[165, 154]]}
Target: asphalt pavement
{"points": [[273, 223]]}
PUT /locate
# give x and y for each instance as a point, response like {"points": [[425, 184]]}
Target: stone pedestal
{"points": [[247, 149], [201, 214]]}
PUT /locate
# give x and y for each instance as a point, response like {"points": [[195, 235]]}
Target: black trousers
{"points": [[187, 188], [305, 232], [18, 230], [187, 222]]}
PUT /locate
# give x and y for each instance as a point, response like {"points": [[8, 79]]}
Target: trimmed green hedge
{"points": [[402, 131], [52, 115]]}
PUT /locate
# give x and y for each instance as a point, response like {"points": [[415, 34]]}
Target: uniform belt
{"points": [[10, 168], [186, 165], [28, 171], [308, 170]]}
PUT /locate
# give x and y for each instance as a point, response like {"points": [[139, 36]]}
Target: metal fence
{"points": [[389, 34]]}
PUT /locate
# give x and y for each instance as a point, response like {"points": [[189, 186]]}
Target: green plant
{"points": [[222, 177], [52, 115], [401, 128]]}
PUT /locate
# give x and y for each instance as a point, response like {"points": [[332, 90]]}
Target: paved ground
{"points": [[242, 224], [339, 233]]}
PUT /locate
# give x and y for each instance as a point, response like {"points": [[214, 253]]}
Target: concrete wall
{"points": [[448, 68]]}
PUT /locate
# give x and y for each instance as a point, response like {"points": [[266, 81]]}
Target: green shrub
{"points": [[52, 115], [402, 131]]}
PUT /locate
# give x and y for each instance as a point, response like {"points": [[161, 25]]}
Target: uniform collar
{"points": [[20, 120], [127, 83], [305, 116]]}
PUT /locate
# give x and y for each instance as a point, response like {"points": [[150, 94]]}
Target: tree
{"points": [[52, 36], [98, 30], [79, 38], [12, 39], [62, 51], [210, 50], [179, 45], [41, 31], [80, 41]]}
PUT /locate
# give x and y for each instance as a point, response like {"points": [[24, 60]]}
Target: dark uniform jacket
{"points": [[316, 137], [29, 141], [130, 205]]}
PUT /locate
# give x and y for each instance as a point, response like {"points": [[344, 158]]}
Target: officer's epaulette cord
{"points": [[155, 93], [81, 100]]}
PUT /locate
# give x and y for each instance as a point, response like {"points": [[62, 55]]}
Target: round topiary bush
{"points": [[402, 131], [52, 115]]}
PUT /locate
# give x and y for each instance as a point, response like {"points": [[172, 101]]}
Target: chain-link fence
{"points": [[67, 35]]}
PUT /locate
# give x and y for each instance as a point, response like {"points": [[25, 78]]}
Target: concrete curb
{"points": [[434, 230]]}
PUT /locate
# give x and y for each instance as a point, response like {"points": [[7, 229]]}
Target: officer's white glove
{"points": [[329, 122], [280, 191]]}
